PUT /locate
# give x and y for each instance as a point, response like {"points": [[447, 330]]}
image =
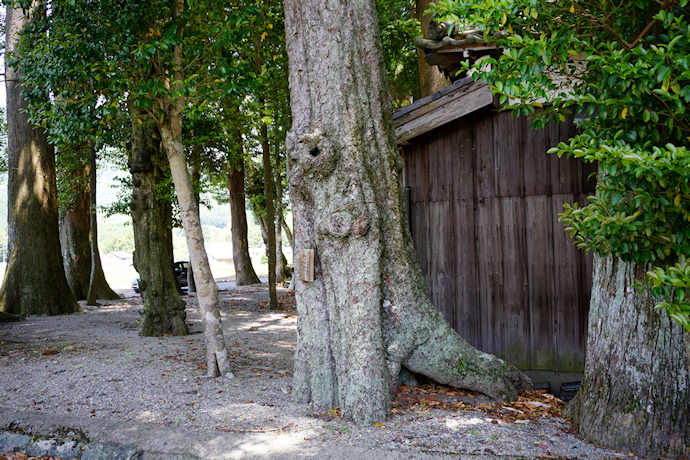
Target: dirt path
{"points": [[95, 364]]}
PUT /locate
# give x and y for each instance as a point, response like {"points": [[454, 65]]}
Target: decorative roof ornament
{"points": [[449, 45]]}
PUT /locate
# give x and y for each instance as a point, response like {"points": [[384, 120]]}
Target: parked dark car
{"points": [[180, 268]]}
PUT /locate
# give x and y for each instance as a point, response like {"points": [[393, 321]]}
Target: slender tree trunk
{"points": [[430, 78], [191, 284], [270, 219], [367, 314], [244, 271], [268, 192], [75, 241], [288, 233], [35, 282], [98, 286], [164, 310], [280, 265], [217, 357], [196, 177], [262, 226], [635, 394], [91, 296], [291, 241]]}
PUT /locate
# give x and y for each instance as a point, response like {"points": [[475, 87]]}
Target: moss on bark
{"points": [[164, 310]]}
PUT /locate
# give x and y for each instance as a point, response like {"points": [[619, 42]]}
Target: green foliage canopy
{"points": [[623, 67], [398, 26]]}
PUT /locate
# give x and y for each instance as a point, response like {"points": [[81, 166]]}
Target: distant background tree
{"points": [[398, 25], [624, 68], [77, 213]]}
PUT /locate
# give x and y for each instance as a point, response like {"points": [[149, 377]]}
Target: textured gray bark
{"points": [[74, 241], [35, 280], [244, 270], [635, 394], [196, 177], [367, 314], [164, 309]]}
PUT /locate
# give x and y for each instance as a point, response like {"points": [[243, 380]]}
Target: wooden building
{"points": [[483, 204]]}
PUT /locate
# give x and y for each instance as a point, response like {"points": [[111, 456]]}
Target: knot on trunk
{"points": [[312, 157], [341, 223], [360, 227]]}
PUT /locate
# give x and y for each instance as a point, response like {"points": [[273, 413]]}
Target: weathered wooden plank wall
{"points": [[485, 201]]}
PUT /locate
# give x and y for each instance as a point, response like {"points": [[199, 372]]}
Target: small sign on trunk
{"points": [[304, 265]]}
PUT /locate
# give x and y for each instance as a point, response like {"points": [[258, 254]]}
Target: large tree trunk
{"points": [[35, 282], [164, 310], [635, 394], [430, 78], [244, 270], [367, 314], [75, 241], [217, 356]]}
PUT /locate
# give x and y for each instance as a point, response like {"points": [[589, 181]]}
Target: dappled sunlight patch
{"points": [[455, 424]]}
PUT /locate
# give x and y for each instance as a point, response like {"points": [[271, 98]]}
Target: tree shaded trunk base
{"points": [[246, 275], [27, 291], [635, 395], [172, 321], [6, 317], [75, 236], [418, 341], [101, 288]]}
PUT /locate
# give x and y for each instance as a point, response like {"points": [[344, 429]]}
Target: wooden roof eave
{"points": [[452, 102]]}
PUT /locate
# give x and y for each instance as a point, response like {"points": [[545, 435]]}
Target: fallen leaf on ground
{"points": [[528, 406]]}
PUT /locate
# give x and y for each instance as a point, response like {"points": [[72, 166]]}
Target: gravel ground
{"points": [[94, 363]]}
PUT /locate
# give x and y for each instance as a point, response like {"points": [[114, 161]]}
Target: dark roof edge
{"points": [[442, 92]]}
